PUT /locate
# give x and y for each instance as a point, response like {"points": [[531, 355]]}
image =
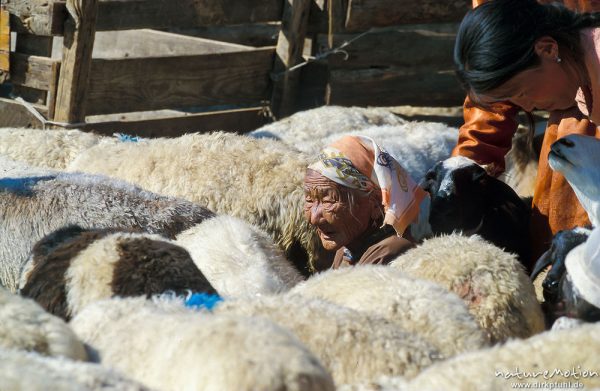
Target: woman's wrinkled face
{"points": [[328, 208]]}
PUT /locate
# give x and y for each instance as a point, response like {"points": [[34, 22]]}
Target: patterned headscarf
{"points": [[359, 163]]}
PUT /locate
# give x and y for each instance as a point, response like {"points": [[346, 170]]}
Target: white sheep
{"points": [[25, 371], [516, 363], [259, 181], [72, 267], [577, 157], [305, 130], [237, 258], [33, 207], [10, 168], [415, 305], [492, 282], [26, 326], [353, 346], [53, 149], [170, 347]]}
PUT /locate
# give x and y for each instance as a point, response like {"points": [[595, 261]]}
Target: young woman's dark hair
{"points": [[496, 40]]}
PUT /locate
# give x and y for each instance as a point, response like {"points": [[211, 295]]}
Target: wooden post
{"points": [[337, 20], [4, 43], [288, 54], [79, 33]]}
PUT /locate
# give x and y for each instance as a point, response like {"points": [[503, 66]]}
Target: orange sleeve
{"points": [[486, 136]]}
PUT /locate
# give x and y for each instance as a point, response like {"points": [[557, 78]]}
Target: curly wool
{"points": [[31, 372], [417, 306], [353, 346], [53, 149], [573, 350], [259, 181], [24, 325], [492, 282], [33, 207], [237, 258], [187, 349]]}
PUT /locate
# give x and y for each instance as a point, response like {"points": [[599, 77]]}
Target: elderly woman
{"points": [[361, 201]]}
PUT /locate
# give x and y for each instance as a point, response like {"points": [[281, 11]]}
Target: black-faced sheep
{"points": [[465, 198], [577, 157], [171, 347], [492, 282], [73, 267], [417, 306]]}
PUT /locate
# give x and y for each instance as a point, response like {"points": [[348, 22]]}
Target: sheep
{"points": [[259, 181], [577, 157], [53, 149], [384, 383], [491, 281], [417, 306], [306, 129], [353, 346], [465, 198], [73, 267], [33, 207], [184, 349], [534, 360], [521, 164], [547, 283], [26, 326], [14, 169], [237, 258], [31, 372]]}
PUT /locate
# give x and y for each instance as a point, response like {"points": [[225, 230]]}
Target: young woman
{"points": [[520, 54]]}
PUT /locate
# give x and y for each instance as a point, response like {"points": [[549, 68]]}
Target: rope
{"points": [[327, 53], [46, 122]]}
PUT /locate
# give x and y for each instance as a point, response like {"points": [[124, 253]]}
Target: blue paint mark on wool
{"points": [[126, 138], [23, 186], [203, 300]]}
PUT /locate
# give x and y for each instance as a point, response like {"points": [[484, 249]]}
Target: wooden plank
{"points": [[39, 17], [38, 46], [139, 84], [409, 47], [78, 45], [46, 17], [240, 121], [364, 14], [4, 44], [15, 115], [255, 35], [290, 47], [32, 71], [153, 43], [394, 87]]}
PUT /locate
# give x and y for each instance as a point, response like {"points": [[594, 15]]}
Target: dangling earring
{"points": [[558, 59]]}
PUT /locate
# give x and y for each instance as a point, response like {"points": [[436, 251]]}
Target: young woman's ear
{"points": [[547, 48]]}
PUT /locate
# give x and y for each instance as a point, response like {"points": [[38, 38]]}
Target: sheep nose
{"points": [[566, 142]]}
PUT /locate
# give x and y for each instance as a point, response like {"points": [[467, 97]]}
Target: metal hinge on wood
{"points": [[4, 44]]}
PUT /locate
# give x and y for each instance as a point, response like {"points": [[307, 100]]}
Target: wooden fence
{"points": [[400, 52]]}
